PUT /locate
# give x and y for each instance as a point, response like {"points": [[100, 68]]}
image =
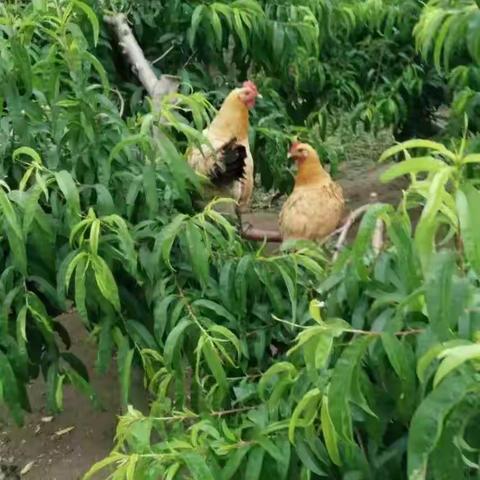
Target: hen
{"points": [[230, 127], [315, 207]]}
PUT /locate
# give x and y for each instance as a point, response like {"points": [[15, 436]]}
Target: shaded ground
{"points": [[59, 452]]}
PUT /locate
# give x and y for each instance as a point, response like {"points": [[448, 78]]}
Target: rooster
{"points": [[315, 207], [228, 135]]}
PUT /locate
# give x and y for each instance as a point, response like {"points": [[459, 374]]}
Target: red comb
{"points": [[294, 145], [250, 85]]}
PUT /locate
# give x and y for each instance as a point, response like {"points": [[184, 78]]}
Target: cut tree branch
{"points": [[157, 88], [259, 235], [351, 219]]}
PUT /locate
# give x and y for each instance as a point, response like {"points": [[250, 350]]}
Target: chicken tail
{"points": [[230, 165]]}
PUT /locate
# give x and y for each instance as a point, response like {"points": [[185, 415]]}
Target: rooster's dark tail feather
{"points": [[230, 165]]}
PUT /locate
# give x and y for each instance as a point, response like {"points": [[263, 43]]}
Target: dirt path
{"points": [[59, 452], [65, 446]]}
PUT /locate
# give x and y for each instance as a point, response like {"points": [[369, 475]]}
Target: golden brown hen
{"points": [[230, 126], [315, 207]]}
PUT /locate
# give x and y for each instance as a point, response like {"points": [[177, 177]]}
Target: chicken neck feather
{"points": [[310, 172], [232, 119]]}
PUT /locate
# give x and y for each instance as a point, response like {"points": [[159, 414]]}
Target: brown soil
{"points": [[61, 454], [57, 451]]}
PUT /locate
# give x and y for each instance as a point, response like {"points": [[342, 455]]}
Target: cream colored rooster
{"points": [[315, 207], [229, 130]]}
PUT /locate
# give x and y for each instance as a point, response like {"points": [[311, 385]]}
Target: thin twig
{"points": [[185, 65], [402, 333], [122, 101], [217, 414], [164, 54]]}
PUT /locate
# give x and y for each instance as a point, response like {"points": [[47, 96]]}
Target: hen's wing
{"points": [[312, 213]]}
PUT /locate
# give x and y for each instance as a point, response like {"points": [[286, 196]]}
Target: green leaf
{"points": [[394, 349], [307, 406], [94, 236], [199, 253], [106, 281], [364, 236], [197, 466], [215, 308], [426, 359], [69, 190], [329, 434], [124, 364], [14, 233], [214, 363], [31, 206], [81, 290], [30, 152], [274, 371], [241, 282], [140, 335], [468, 207], [454, 357], [9, 389], [91, 17], [216, 24], [114, 457], [100, 70], [173, 340], [168, 236], [341, 384], [83, 386], [278, 40], [412, 166], [473, 36], [195, 22], [307, 457], [226, 334], [150, 188], [105, 346], [233, 462], [291, 289], [427, 422], [439, 293], [160, 316], [421, 144], [253, 469], [428, 224]]}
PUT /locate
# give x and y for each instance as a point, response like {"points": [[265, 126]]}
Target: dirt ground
{"points": [[64, 447]]}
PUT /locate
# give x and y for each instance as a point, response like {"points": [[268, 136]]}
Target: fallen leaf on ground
{"points": [[27, 468], [64, 431]]}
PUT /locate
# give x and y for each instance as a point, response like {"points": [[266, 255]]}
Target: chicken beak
{"points": [[289, 155], [259, 95]]}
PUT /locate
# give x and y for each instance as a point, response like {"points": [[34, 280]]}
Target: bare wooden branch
{"points": [[377, 239], [351, 219], [256, 234], [156, 87]]}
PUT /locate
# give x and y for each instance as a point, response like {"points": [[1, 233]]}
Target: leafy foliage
{"points": [[258, 365], [314, 61], [388, 390]]}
